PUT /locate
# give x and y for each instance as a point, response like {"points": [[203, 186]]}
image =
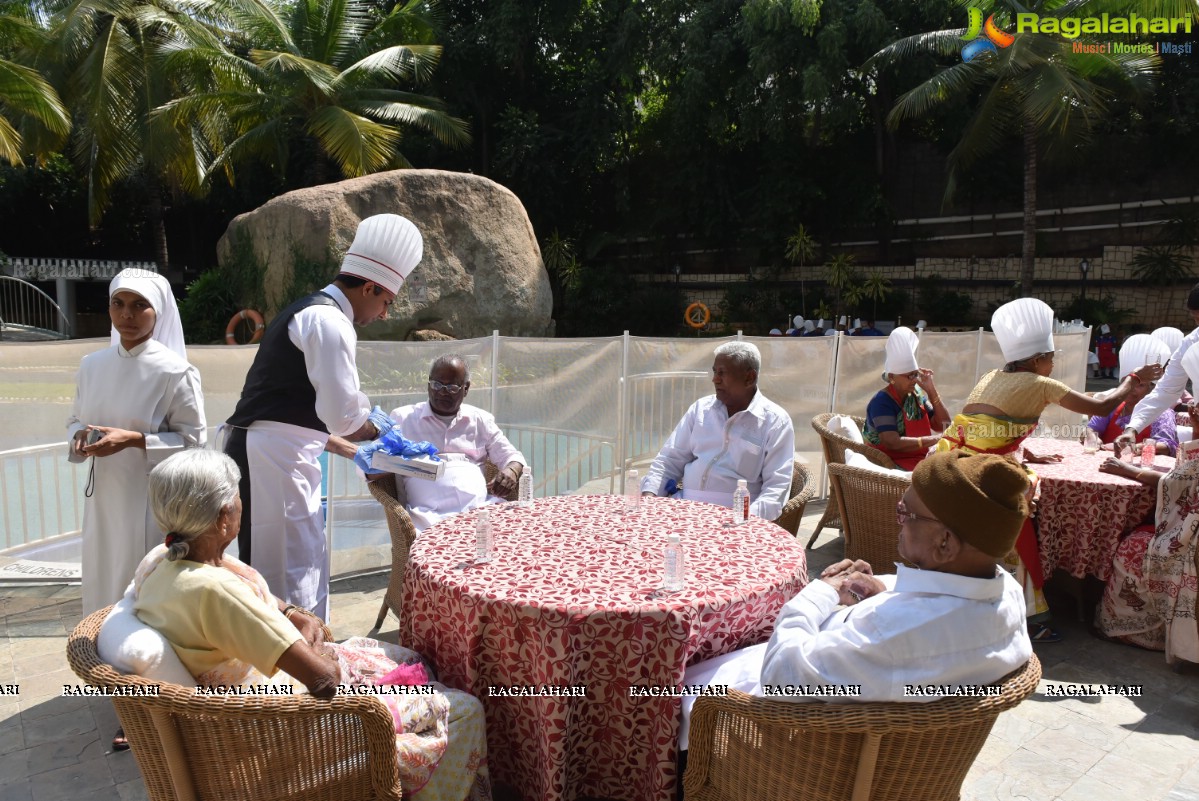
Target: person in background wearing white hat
{"points": [[1105, 346], [1006, 405], [1150, 599], [809, 329], [1173, 384], [1139, 350], [302, 387], [901, 418]]}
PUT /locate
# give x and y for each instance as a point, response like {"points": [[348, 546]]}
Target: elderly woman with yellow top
{"points": [[228, 629], [1005, 406], [901, 417]]}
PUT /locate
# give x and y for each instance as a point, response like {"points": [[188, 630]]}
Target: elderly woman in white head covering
{"points": [[1150, 599], [136, 403], [1006, 405], [901, 417], [1137, 351]]}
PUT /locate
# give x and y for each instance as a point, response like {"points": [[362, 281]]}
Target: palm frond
{"points": [[359, 145], [941, 43], [447, 129], [951, 82], [399, 62]]}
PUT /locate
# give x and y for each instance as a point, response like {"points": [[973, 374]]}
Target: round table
{"points": [[573, 599], [1081, 512]]}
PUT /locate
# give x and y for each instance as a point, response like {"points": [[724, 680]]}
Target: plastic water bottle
{"points": [[632, 491], [484, 537], [1148, 452], [740, 503], [674, 564], [524, 487]]}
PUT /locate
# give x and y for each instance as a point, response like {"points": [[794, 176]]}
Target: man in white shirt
{"points": [[955, 620], [736, 433], [465, 437], [302, 388], [1169, 387]]}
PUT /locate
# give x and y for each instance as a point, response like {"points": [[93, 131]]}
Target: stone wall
{"points": [[991, 282]]}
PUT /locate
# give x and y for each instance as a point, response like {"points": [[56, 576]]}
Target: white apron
{"points": [[289, 546], [461, 487]]}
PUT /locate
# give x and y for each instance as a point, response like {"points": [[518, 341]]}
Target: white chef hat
{"points": [[857, 323], [774, 332], [798, 321], [820, 323], [809, 326], [921, 325], [901, 351], [1105, 329], [1024, 328], [1140, 349], [1171, 336], [832, 332], [385, 250], [1190, 363]]}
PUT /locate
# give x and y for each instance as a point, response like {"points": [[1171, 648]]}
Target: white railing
{"points": [[27, 309], [580, 410]]}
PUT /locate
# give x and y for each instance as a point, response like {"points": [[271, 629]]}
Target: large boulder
{"points": [[481, 271]]}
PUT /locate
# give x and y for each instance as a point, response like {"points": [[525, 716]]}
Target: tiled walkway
{"points": [[1111, 749]]}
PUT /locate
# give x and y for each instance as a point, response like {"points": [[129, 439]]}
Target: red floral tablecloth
{"points": [[573, 598], [1082, 512]]}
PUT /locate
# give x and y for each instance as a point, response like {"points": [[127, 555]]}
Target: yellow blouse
{"points": [[1022, 395]]}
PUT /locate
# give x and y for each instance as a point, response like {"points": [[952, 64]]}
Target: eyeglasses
{"points": [[902, 515], [453, 389]]}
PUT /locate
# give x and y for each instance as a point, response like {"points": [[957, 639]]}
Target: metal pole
{"points": [[622, 408]]}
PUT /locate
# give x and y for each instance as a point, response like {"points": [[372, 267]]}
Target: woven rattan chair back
{"points": [[834, 446], [275, 748], [742, 747], [866, 501], [803, 487], [388, 490]]}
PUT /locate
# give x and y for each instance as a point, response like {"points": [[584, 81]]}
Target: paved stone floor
{"points": [[1097, 749]]}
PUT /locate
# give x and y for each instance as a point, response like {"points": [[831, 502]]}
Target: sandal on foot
{"points": [[1040, 633], [119, 741]]}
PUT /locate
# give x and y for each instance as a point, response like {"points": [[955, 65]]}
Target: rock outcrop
{"points": [[481, 270]]}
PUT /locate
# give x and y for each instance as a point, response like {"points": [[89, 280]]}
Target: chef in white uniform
{"points": [[302, 387], [138, 401]]}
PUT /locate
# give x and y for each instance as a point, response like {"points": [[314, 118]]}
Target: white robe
{"points": [[150, 390]]}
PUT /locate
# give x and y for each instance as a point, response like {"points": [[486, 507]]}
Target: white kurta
{"points": [[150, 390]]}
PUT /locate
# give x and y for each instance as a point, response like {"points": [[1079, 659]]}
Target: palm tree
{"points": [[24, 94], [320, 77], [801, 247], [876, 287], [839, 273], [110, 59], [1037, 88]]}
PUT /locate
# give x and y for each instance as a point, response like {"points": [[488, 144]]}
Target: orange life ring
{"points": [[245, 314], [697, 315]]}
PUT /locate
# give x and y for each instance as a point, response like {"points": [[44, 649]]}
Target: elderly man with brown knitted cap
{"points": [[955, 619]]}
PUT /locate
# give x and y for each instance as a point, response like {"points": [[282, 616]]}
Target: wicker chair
{"points": [[192, 746], [389, 492], [803, 487], [866, 501], [744, 747], [834, 446]]}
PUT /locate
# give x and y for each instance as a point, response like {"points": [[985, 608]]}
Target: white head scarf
{"points": [[901, 351], [157, 291]]}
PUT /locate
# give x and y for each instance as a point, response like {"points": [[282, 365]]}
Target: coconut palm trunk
{"points": [[1028, 259]]}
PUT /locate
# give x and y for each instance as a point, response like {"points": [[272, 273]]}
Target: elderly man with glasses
{"points": [[953, 620], [465, 437]]}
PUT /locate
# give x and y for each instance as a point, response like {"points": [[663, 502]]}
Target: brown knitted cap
{"points": [[979, 497]]}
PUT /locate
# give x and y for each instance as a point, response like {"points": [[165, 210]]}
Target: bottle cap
{"points": [[741, 484], [673, 536]]}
